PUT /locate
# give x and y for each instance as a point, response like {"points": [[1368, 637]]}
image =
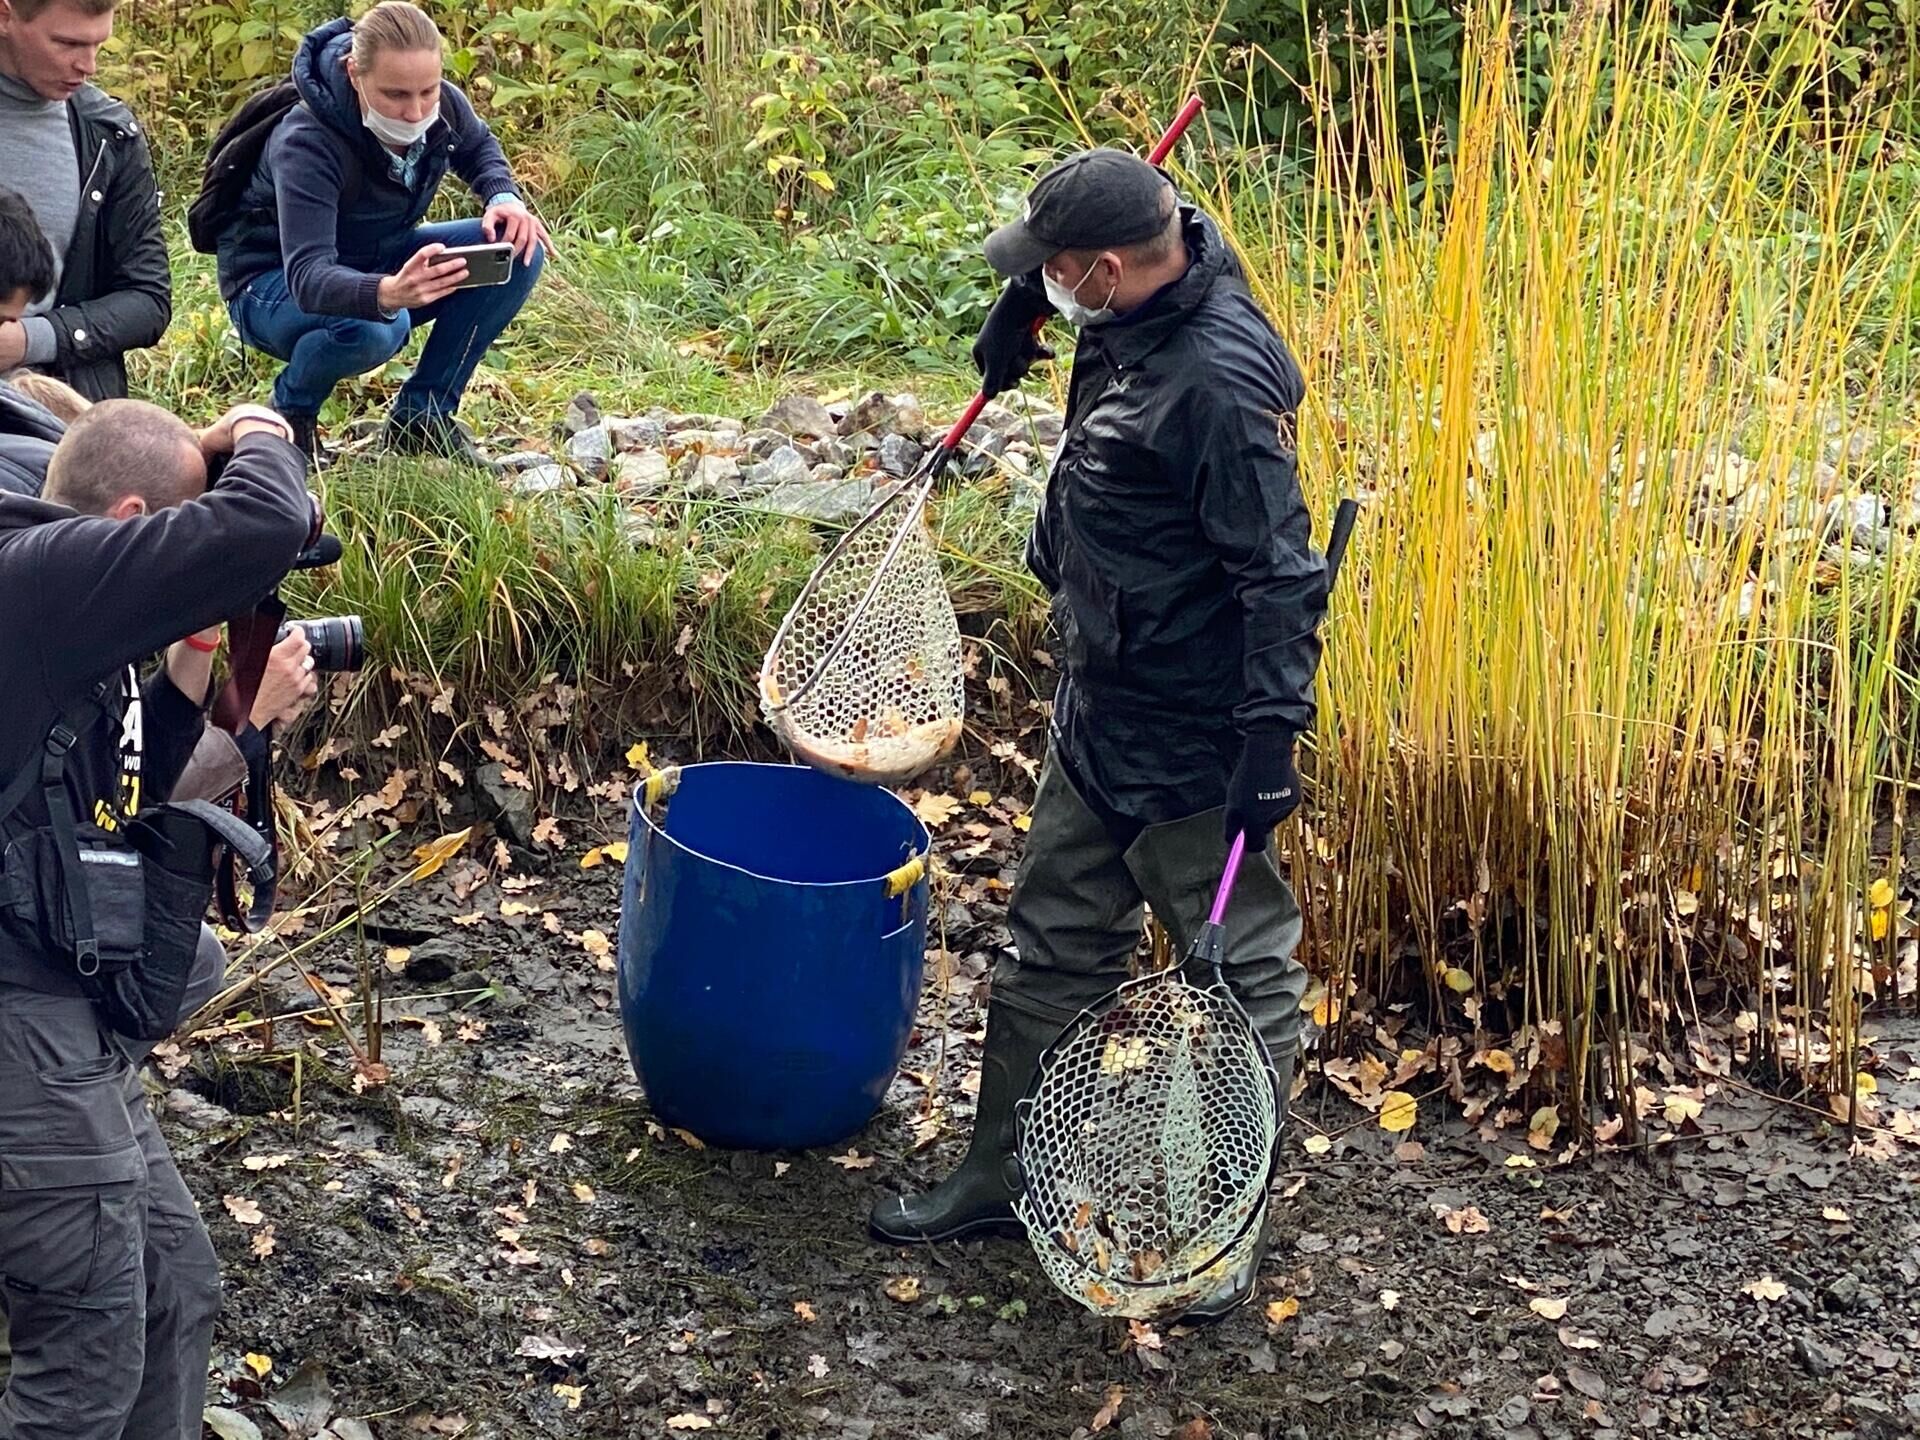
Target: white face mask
{"points": [[389, 131], [1067, 301]]}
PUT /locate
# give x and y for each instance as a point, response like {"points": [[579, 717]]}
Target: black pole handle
{"points": [[1344, 516]]}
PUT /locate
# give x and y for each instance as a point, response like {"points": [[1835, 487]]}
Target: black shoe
{"points": [[440, 436], [976, 1200], [1235, 1291], [306, 435]]}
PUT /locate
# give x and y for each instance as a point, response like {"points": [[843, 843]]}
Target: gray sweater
{"points": [[36, 136]]}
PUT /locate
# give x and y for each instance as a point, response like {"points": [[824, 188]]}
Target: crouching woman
{"points": [[326, 264]]}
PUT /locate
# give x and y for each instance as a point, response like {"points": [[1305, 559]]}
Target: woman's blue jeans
{"points": [[322, 350]]}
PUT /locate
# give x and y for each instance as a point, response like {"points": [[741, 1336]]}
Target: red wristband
{"points": [[194, 642]]}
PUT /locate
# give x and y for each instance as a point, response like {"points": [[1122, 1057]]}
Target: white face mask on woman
{"points": [[389, 131], [1067, 302]]}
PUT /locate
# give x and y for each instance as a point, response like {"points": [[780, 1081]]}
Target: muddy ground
{"points": [[499, 1241]]}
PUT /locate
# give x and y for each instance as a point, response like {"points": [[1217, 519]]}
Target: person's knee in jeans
{"points": [[367, 344]]}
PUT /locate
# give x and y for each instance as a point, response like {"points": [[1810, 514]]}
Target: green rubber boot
{"points": [[1244, 1282], [977, 1199]]}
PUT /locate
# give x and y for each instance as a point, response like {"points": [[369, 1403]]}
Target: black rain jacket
{"points": [[1187, 595], [116, 291]]}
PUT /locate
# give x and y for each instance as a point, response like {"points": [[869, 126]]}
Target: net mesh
{"points": [[890, 701], [1147, 1149]]}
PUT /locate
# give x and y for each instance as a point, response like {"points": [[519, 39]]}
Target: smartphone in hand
{"points": [[490, 264]]}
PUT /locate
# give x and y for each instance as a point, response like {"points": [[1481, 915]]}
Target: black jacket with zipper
{"points": [[116, 291], [1187, 594]]}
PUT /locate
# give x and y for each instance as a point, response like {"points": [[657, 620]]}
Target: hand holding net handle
{"points": [[1159, 152]]}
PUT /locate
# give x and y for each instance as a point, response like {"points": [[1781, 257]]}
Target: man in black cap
{"points": [[1187, 598]]}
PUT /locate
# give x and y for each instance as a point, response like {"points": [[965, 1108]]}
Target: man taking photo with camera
{"points": [[107, 1275]]}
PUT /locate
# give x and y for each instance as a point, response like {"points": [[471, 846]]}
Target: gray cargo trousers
{"points": [[107, 1278], [1078, 907]]}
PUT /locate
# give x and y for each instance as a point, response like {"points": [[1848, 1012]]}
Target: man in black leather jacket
{"points": [[1186, 599]]}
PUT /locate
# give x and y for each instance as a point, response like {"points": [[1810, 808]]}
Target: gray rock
{"points": [[230, 1424], [677, 424], [508, 806], [762, 443], [710, 474], [1843, 1294], [433, 961], [823, 474], [643, 472], [1047, 429], [1813, 1357], [1859, 518], [524, 460], [543, 480], [591, 449], [781, 467], [885, 415], [643, 432], [844, 453], [583, 413], [899, 454], [836, 502], [723, 441], [640, 532], [797, 416]]}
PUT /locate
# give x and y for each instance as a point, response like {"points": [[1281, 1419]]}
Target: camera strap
{"points": [[250, 641]]}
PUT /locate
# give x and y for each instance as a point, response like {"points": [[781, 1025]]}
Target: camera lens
{"points": [[337, 642]]}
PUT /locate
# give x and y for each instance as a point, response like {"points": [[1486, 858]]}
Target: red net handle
{"points": [[1159, 152]]}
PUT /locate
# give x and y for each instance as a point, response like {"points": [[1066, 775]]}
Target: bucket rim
{"points": [[921, 851]]}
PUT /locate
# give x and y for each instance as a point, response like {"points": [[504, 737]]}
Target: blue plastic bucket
{"points": [[768, 979]]}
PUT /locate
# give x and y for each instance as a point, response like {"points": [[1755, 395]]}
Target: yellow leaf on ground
{"points": [[1766, 1290], [434, 855], [935, 810], [805, 1311], [1878, 923], [1681, 1108], [1281, 1311], [853, 1160], [1023, 823], [904, 1288], [692, 1420], [1880, 893], [1547, 1308], [980, 797], [560, 1144], [1389, 1299], [1459, 981], [512, 908], [1398, 1111], [637, 756], [1834, 1215], [572, 1394], [261, 1365], [1317, 1144], [1498, 1061], [245, 1211]]}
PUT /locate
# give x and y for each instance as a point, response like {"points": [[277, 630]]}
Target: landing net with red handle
{"points": [[864, 677]]}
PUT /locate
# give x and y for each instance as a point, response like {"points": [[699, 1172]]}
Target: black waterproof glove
{"points": [[1007, 346], [1265, 788]]}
